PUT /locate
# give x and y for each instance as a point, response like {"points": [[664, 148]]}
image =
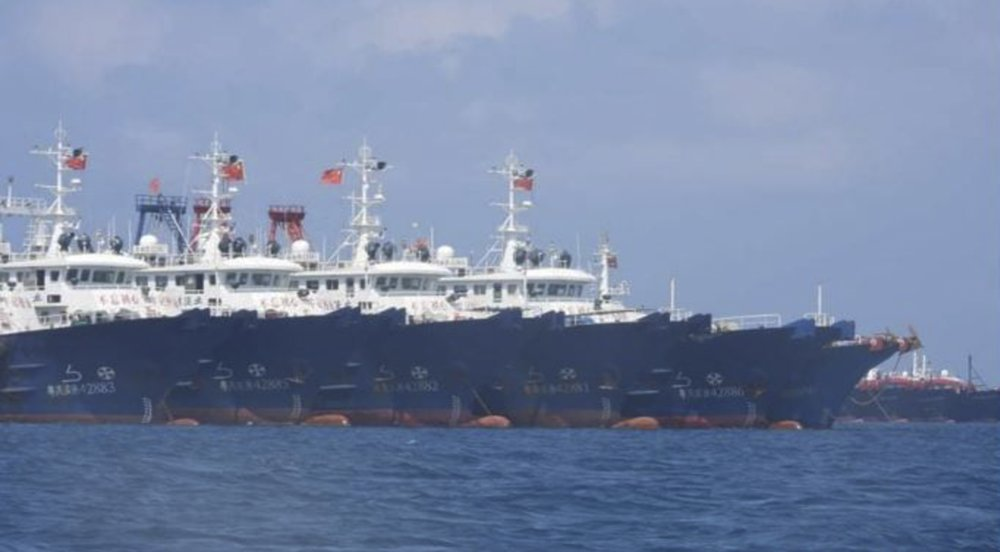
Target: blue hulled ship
{"points": [[79, 341]]}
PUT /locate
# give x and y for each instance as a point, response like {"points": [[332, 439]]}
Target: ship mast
{"points": [[511, 235], [607, 261], [604, 283], [61, 217], [216, 222], [366, 226]]}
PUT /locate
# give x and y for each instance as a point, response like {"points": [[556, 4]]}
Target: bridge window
{"points": [[479, 289], [121, 278], [261, 279], [85, 275], [54, 276], [557, 290], [332, 284], [142, 281], [312, 285], [536, 290], [511, 289], [411, 283], [161, 283]]}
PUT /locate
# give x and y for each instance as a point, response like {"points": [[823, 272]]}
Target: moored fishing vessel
{"points": [[681, 370], [284, 346], [428, 368], [586, 350], [80, 343]]}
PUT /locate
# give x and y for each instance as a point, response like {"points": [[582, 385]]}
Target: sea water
{"points": [[856, 487]]}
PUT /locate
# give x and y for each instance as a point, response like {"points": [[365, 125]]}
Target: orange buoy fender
{"points": [[786, 424], [489, 422], [641, 422], [337, 420]]}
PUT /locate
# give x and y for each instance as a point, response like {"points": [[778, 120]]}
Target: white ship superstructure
{"points": [[516, 273], [373, 273], [219, 271], [63, 276]]}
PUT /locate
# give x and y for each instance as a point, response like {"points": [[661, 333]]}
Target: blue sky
{"points": [[749, 149]]}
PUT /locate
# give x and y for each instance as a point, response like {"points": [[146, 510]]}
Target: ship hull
{"points": [[573, 376], [707, 379], [113, 372], [821, 379], [427, 374], [897, 403], [976, 406], [269, 371]]}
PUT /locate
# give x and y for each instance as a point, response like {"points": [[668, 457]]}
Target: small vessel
{"points": [[921, 394]]}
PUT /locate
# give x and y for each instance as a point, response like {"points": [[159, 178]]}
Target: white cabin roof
{"points": [[387, 268], [546, 274], [74, 260], [236, 264]]}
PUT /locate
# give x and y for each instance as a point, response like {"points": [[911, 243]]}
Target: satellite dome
{"points": [[445, 252], [300, 247], [148, 240]]}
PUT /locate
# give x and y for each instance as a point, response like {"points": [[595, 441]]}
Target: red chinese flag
{"points": [[78, 161], [332, 176], [524, 183], [154, 186], [233, 171]]}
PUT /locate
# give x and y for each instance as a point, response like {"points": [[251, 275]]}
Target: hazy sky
{"points": [[749, 149]]}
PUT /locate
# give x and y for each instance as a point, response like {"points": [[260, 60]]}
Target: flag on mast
{"points": [[525, 180], [333, 176], [232, 170], [77, 161], [154, 186], [525, 183]]}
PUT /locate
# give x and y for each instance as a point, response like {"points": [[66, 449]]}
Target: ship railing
{"points": [[54, 320], [746, 322], [22, 206], [599, 316], [821, 319], [454, 263], [27, 256], [89, 286], [84, 318], [409, 293], [544, 299]]}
